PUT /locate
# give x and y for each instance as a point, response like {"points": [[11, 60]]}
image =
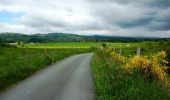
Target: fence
{"points": [[120, 50]]}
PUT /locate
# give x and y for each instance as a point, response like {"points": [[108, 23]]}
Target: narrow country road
{"points": [[69, 79]]}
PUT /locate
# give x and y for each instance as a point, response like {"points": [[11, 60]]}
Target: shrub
{"points": [[150, 68], [118, 58], [49, 59], [112, 81], [105, 45]]}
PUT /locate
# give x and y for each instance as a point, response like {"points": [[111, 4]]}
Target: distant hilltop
{"points": [[63, 37]]}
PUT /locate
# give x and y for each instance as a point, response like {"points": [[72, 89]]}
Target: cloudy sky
{"points": [[87, 17]]}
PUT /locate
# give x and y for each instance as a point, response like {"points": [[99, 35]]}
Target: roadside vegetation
{"points": [[118, 73], [127, 76], [18, 63]]}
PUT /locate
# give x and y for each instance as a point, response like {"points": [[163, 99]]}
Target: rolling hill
{"points": [[63, 37]]}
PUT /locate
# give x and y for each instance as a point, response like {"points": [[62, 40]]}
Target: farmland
{"points": [[111, 81], [18, 63], [65, 45], [83, 45], [130, 48]]}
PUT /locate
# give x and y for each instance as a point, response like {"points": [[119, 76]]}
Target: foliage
{"points": [[149, 67], [118, 58], [49, 59], [115, 81]]}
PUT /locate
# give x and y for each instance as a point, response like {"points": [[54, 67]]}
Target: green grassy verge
{"points": [[113, 83], [18, 63]]}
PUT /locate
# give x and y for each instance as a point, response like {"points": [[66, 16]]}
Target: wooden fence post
{"points": [[26, 56], [120, 52], [45, 52], [138, 52]]}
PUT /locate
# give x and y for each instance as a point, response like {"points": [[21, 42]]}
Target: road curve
{"points": [[69, 79]]}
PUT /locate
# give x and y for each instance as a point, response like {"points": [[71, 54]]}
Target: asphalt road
{"points": [[69, 79]]}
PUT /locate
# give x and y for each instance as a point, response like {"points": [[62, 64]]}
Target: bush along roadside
{"points": [[133, 78]]}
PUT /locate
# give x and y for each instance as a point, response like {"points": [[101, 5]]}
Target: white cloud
{"points": [[104, 17], [19, 28]]}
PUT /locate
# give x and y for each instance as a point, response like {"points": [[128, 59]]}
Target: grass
{"points": [[65, 45], [127, 48], [83, 45], [113, 83], [18, 63]]}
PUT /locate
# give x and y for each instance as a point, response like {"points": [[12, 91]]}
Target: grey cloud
{"points": [[160, 26], [161, 22], [135, 23], [38, 21], [113, 17], [152, 23], [151, 3], [125, 16], [160, 3]]}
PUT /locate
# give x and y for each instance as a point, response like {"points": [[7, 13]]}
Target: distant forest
{"points": [[62, 37]]}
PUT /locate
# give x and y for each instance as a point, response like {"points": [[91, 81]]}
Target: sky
{"points": [[146, 18]]}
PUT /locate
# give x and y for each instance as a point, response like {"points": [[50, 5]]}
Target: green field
{"points": [[127, 48], [110, 80], [82, 45], [18, 63], [65, 45]]}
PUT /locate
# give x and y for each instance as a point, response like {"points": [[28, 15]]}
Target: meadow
{"points": [[126, 48], [18, 63], [65, 45], [82, 45]]}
